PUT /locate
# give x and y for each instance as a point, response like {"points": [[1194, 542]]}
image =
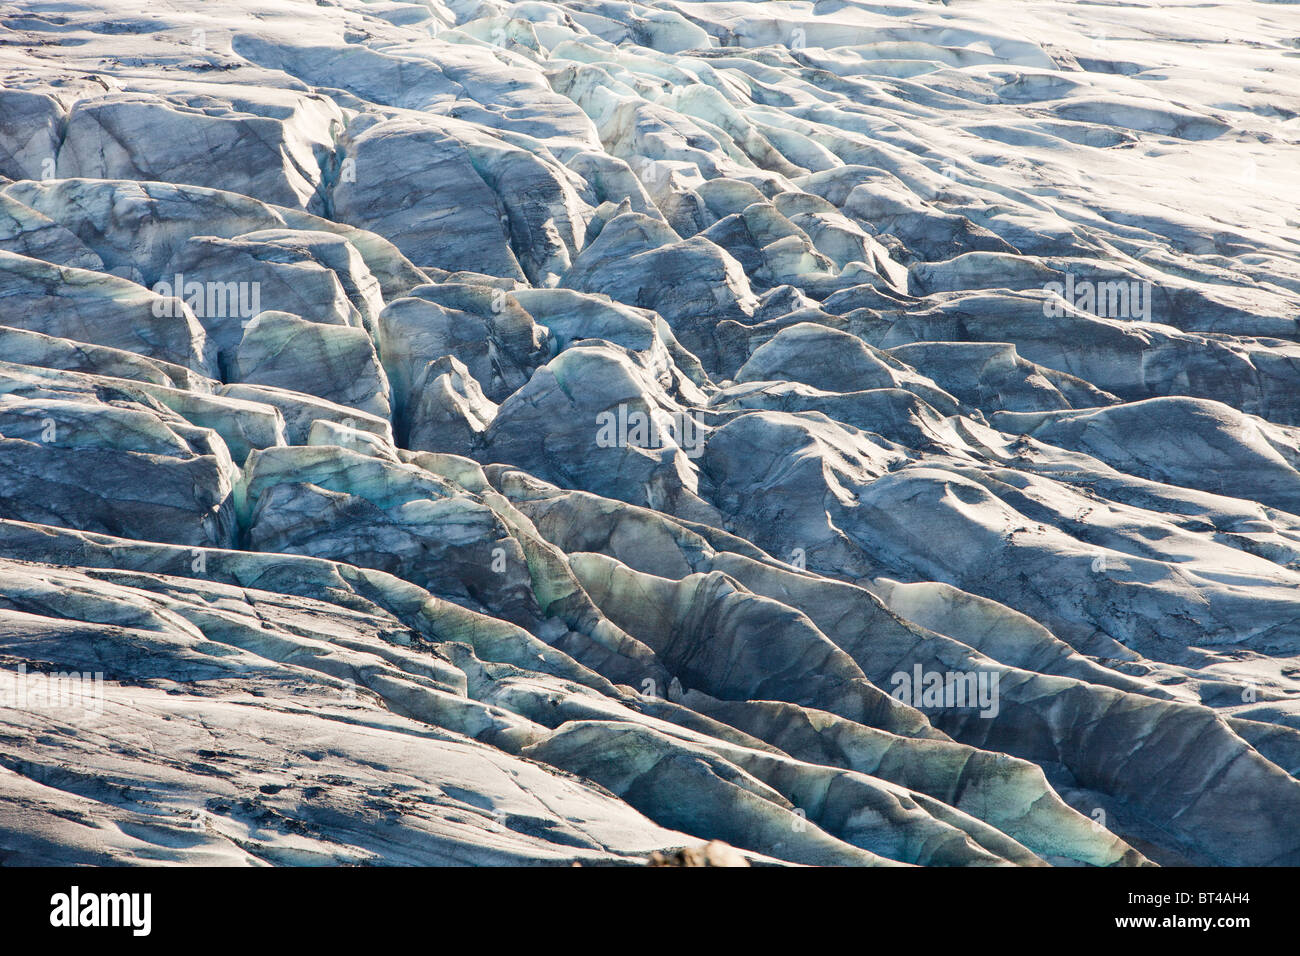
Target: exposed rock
{"points": [[713, 853]]}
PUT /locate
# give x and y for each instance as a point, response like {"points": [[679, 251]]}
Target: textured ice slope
{"points": [[486, 432]]}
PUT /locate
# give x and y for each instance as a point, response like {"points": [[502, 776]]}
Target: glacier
{"points": [[534, 433]]}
